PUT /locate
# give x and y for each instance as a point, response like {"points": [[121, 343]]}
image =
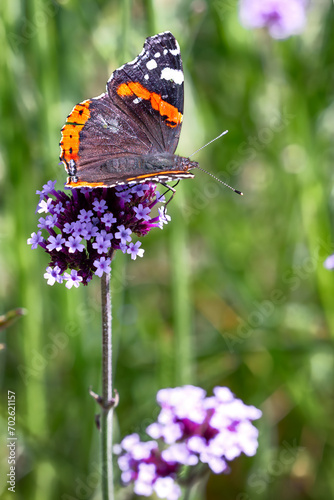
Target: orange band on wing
{"points": [[80, 184], [70, 132], [174, 117], [80, 113]]}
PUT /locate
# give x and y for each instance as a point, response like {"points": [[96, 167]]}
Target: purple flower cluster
{"points": [[84, 227], [143, 464], [329, 263], [282, 18], [193, 429]]}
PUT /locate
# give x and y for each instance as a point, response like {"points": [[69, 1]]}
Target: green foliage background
{"points": [[233, 292]]}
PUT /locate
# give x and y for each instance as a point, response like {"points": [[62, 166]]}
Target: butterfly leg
{"points": [[169, 188]]}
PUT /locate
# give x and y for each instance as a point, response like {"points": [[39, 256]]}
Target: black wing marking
{"points": [[158, 69]]}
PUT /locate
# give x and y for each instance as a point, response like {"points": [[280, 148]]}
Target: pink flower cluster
{"points": [[192, 429], [282, 18]]}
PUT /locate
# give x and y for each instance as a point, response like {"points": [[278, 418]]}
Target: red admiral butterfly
{"points": [[129, 133]]}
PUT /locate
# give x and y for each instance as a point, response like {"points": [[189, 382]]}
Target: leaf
{"points": [[10, 317]]}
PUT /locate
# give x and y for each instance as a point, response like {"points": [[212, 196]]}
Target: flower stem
{"points": [[107, 399]]}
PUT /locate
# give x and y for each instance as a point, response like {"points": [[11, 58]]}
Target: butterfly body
{"points": [[159, 167]]}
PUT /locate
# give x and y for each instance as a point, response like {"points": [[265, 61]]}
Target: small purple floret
{"points": [[47, 188], [100, 206], [123, 234], [74, 244], [58, 208], [140, 189], [56, 243], [101, 245], [85, 216], [123, 194], [141, 212], [102, 266], [77, 228], [89, 231], [164, 218], [44, 205], [35, 240], [134, 250], [72, 279], [108, 219], [53, 275], [44, 223]]}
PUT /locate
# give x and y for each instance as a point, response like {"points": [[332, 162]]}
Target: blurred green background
{"points": [[233, 292]]}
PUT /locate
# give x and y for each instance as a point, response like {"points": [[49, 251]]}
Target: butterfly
{"points": [[129, 134]]}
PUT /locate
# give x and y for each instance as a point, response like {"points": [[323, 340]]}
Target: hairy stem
{"points": [[107, 391]]}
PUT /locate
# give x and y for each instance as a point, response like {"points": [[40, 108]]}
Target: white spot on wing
{"points": [[172, 74], [157, 54], [137, 100], [146, 77], [176, 51], [165, 51], [151, 64]]}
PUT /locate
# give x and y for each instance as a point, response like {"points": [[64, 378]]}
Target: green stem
{"points": [[183, 354], [150, 16], [107, 399], [126, 15]]}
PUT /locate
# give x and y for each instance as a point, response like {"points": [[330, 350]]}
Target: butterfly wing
{"points": [[150, 89]]}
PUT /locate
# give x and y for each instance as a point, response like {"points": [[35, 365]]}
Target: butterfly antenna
{"points": [[209, 173], [205, 145], [219, 180]]}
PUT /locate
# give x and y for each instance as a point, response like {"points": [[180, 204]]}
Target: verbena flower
{"points": [[329, 263], [282, 18], [143, 464], [192, 429], [80, 228]]}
